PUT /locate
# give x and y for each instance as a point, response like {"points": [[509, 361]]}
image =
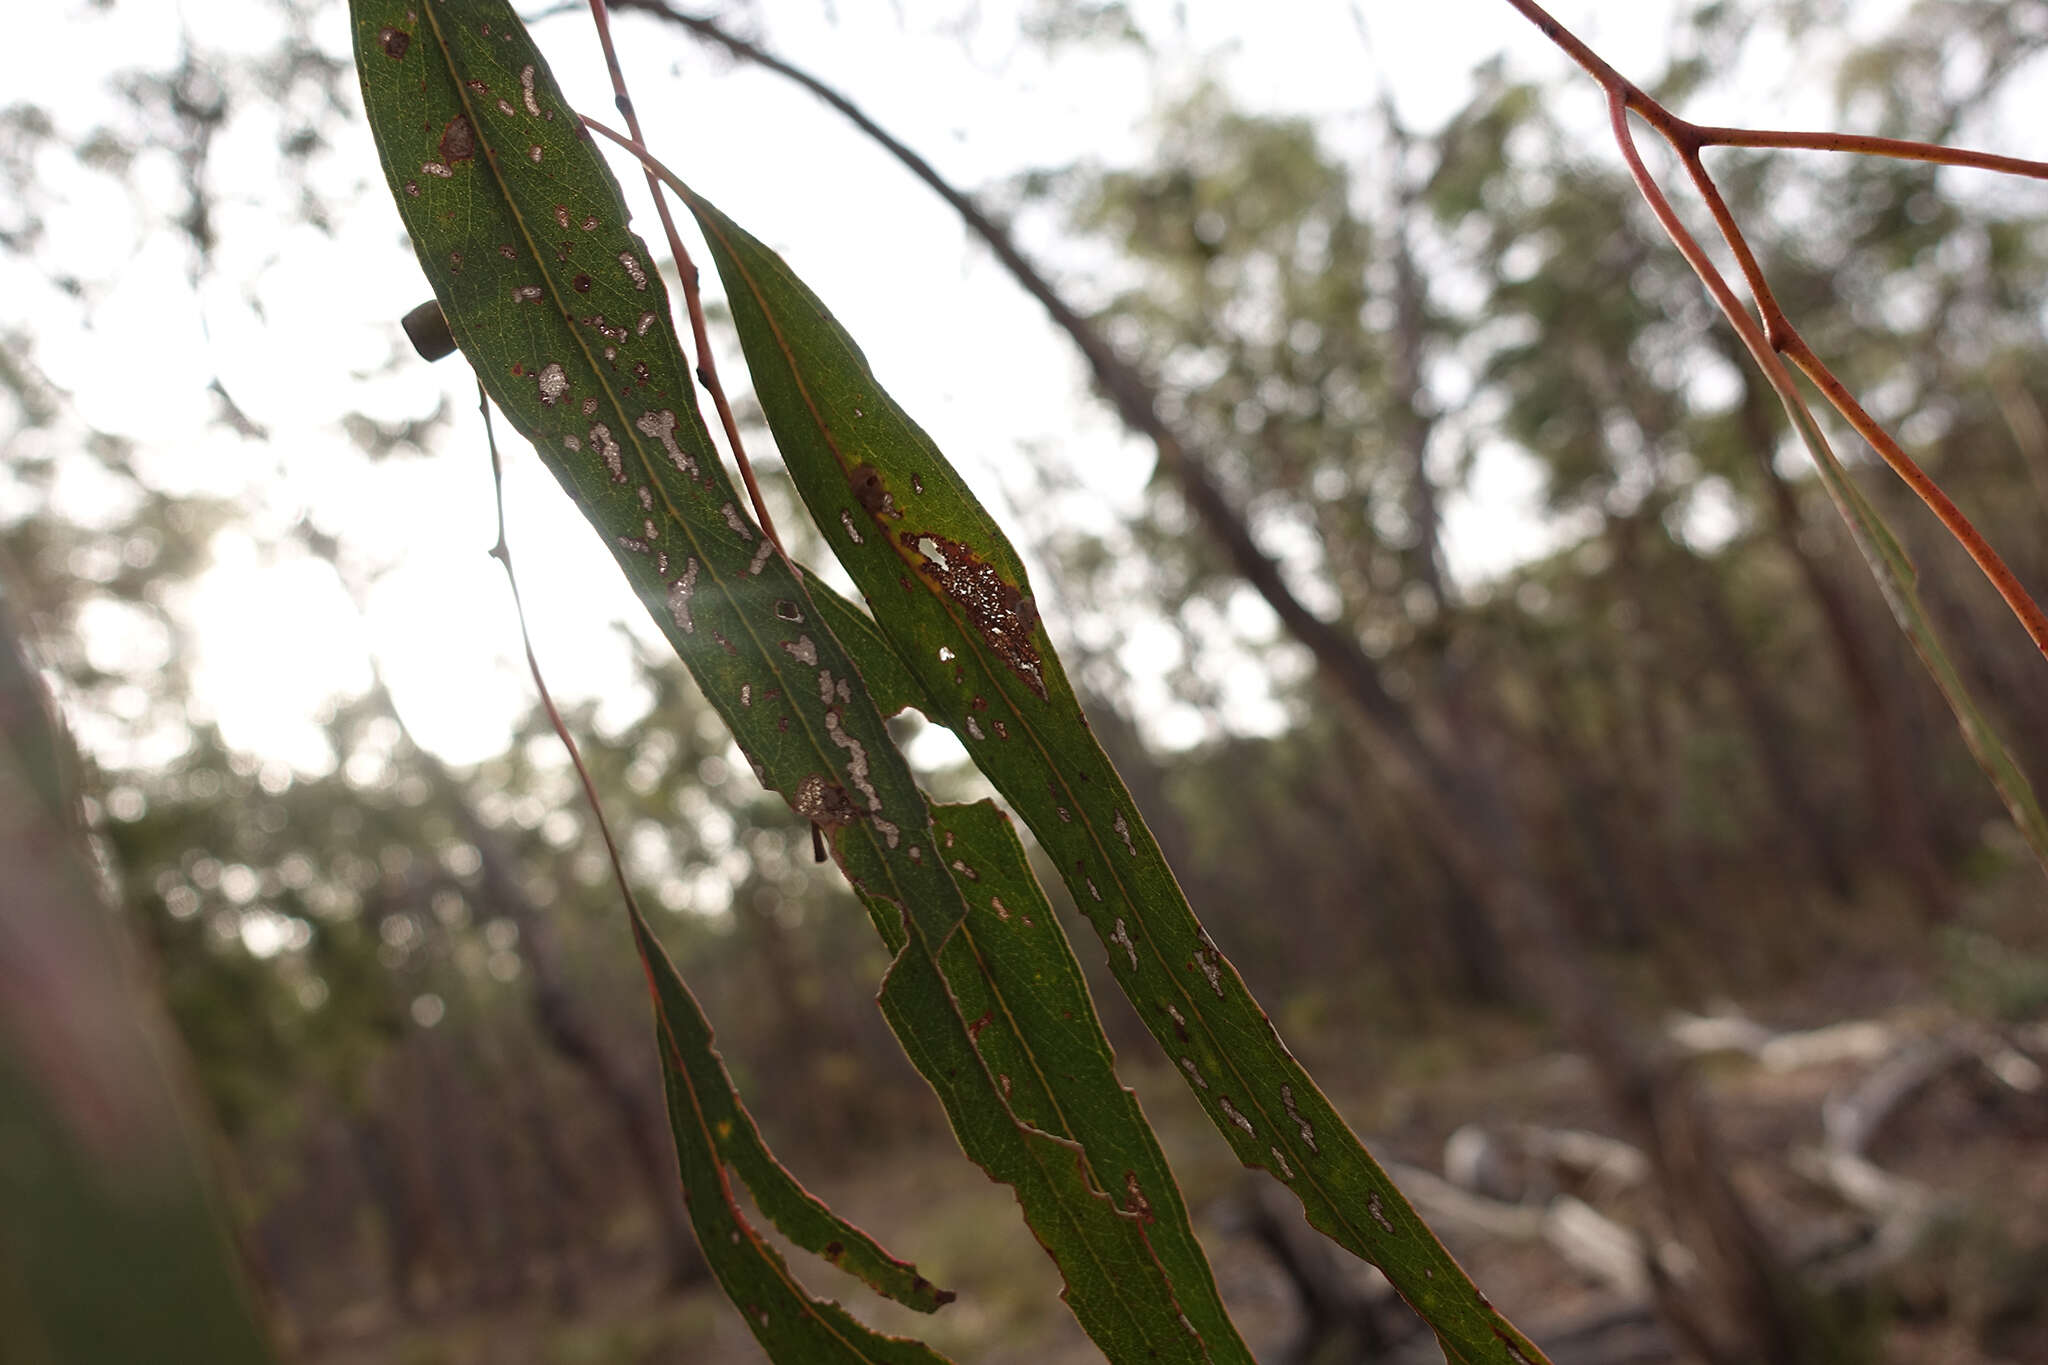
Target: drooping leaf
{"points": [[708, 1123], [1039, 1032], [703, 1101], [1896, 578], [521, 229], [950, 592]]}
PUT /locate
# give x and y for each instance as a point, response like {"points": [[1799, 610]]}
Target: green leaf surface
{"points": [[950, 592], [522, 230], [1035, 1026]]}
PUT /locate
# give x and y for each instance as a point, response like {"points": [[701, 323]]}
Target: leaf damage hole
{"points": [[1004, 616], [526, 91], [1379, 1215]]}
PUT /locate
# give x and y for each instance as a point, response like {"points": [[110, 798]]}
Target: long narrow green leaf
{"points": [[947, 587], [521, 229], [704, 1102], [1898, 581], [1038, 1030], [704, 1115]]}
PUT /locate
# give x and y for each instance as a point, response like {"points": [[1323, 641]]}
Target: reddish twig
{"points": [[502, 552], [1771, 334], [686, 270], [1899, 149]]}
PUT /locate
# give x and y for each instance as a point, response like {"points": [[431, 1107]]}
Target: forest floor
{"points": [[1974, 1292]]}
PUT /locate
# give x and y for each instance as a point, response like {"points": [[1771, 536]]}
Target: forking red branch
{"points": [[1771, 335]]}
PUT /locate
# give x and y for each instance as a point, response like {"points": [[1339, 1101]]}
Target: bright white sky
{"points": [[957, 342]]}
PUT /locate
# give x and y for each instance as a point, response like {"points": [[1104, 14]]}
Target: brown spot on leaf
{"points": [[394, 42], [458, 140], [824, 804], [1002, 614], [866, 483], [581, 284]]}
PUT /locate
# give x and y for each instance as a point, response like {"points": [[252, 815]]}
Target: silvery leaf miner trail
{"points": [[522, 230], [949, 591]]}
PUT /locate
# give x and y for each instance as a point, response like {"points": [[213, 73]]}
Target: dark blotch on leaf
{"points": [[394, 42], [1003, 615], [582, 284], [866, 483], [458, 140]]}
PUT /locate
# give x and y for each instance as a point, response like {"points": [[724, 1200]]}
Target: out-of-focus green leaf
{"points": [[114, 1244], [949, 591], [1898, 581], [522, 231]]}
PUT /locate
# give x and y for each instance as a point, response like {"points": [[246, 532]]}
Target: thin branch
{"points": [[1772, 332], [1898, 148], [686, 270], [502, 552]]}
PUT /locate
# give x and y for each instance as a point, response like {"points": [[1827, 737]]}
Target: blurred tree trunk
{"points": [[637, 1110], [1771, 733]]}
